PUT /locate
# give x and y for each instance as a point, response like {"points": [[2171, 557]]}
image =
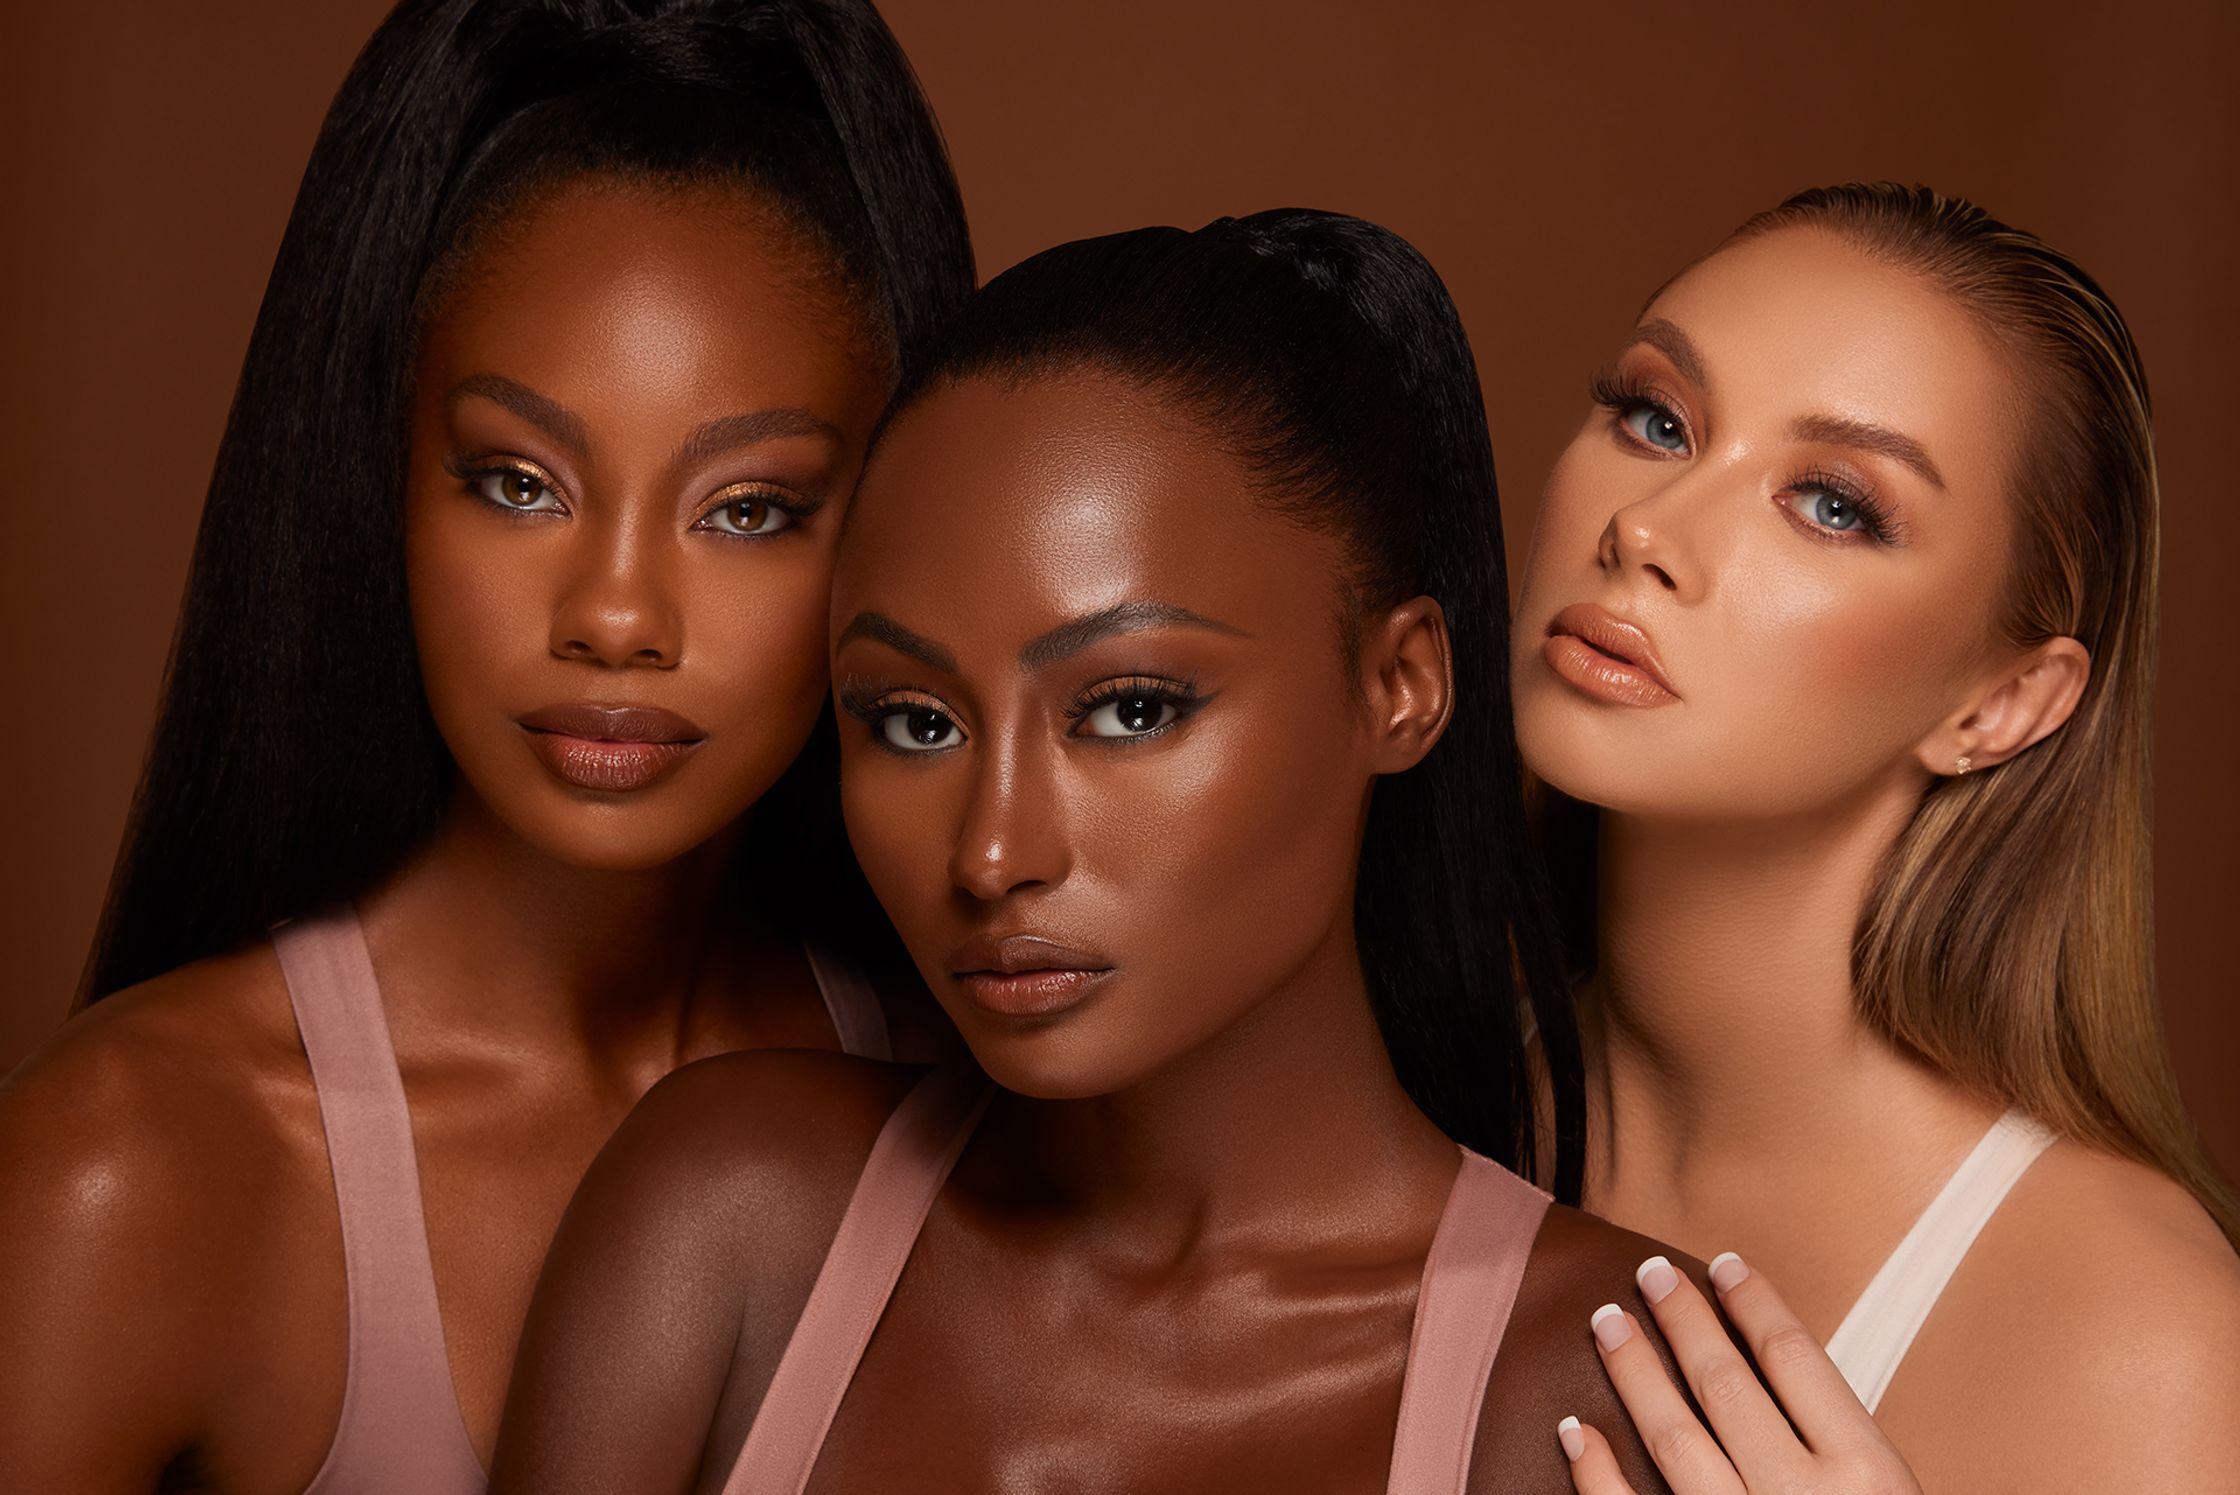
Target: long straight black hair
{"points": [[294, 761], [1325, 353]]}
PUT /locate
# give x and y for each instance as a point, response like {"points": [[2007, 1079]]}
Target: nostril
{"points": [[1664, 577]]}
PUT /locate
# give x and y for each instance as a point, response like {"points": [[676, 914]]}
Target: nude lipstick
{"points": [[1025, 975], [610, 749], [1602, 655]]}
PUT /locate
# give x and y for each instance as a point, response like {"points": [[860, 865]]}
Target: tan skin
{"points": [[593, 529], [1826, 673], [1092, 696]]}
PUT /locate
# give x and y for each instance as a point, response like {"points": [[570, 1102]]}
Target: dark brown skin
{"points": [[171, 1276], [1183, 1249]]}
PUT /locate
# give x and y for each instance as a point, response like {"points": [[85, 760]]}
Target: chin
{"points": [[1054, 1059]]}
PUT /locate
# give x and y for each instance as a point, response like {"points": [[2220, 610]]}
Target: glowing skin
{"points": [[617, 377], [1809, 660], [631, 505], [1795, 494]]}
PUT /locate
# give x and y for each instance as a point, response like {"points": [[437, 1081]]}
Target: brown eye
{"points": [[1134, 715], [748, 514], [919, 729], [516, 488]]}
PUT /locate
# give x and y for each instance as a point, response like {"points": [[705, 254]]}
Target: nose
{"points": [[1012, 838], [1657, 535], [619, 606]]}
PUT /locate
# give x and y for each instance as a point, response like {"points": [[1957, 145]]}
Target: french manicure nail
{"points": [[1574, 1442], [1610, 1327], [1727, 1271], [1656, 1278]]}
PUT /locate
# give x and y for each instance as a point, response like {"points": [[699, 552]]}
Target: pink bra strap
{"points": [[400, 1427], [858, 1020], [908, 1165], [1470, 1281]]}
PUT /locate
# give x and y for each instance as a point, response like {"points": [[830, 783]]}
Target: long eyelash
{"points": [[1181, 694], [1880, 522], [1616, 390], [777, 498], [872, 704]]}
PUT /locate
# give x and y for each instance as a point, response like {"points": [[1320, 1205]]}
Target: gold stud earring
{"points": [[1962, 764]]}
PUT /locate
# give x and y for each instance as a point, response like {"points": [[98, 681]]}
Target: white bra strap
{"points": [[1881, 1326]]}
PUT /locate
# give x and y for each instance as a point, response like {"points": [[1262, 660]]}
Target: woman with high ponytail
{"points": [[1169, 642], [492, 777]]}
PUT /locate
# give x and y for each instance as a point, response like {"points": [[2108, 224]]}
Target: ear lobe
{"points": [[1407, 666], [2028, 703]]}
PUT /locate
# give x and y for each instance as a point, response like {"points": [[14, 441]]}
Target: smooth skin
{"points": [[622, 388], [1830, 660], [1094, 693]]}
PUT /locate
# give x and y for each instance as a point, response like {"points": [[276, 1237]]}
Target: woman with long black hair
{"points": [[1169, 641], [498, 690]]}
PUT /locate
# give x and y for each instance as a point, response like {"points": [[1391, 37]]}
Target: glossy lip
{"points": [[1025, 975], [1605, 656], [610, 749]]}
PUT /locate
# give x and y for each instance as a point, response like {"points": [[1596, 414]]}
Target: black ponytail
{"points": [[294, 762], [1325, 352]]}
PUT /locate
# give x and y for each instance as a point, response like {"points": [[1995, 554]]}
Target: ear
{"points": [[2027, 700], [1407, 670]]}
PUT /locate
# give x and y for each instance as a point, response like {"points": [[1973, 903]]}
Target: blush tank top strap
{"points": [[400, 1427], [1875, 1335], [1470, 1281], [858, 1020], [909, 1163]]}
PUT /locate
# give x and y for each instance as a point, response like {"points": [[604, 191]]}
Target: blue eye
{"points": [[515, 488], [1136, 715], [919, 729], [1655, 426], [1831, 509]]}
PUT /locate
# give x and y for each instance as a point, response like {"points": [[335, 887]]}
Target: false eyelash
{"points": [[1181, 694], [1881, 524], [870, 703], [1615, 389]]}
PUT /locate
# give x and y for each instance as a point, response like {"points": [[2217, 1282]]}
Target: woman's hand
{"points": [[1816, 1437]]}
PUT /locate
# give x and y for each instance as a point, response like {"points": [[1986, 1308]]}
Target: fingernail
{"points": [[1610, 1329], [1728, 1272], [1574, 1442], [1656, 1278]]}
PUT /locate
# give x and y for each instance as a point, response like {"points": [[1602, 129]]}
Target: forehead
{"points": [[1800, 321], [999, 510], [650, 291]]}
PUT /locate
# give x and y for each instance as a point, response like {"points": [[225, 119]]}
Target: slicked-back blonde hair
{"points": [[2009, 937]]}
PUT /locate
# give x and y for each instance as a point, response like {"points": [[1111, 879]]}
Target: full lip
{"points": [[1626, 643], [1025, 975], [609, 749], [612, 723]]}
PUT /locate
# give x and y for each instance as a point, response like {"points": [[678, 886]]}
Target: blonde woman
{"points": [[1840, 621]]}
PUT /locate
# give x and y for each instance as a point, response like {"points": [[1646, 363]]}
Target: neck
{"points": [[552, 954], [1287, 1127], [1726, 1034]]}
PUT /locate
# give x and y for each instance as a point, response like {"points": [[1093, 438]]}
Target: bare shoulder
{"points": [[161, 1168], [682, 1263], [157, 1098], [2101, 1301], [1548, 1369]]}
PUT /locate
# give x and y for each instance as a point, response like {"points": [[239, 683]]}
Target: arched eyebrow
{"points": [[1068, 639], [885, 630], [728, 432], [1667, 338], [1867, 436], [545, 413]]}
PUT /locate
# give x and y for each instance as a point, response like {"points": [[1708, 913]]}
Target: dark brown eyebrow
{"points": [[547, 415], [727, 432], [1668, 339], [1068, 639], [885, 630], [1866, 436]]}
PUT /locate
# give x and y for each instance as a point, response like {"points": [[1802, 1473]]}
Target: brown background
{"points": [[1556, 161]]}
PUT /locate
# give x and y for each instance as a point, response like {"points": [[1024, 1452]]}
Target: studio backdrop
{"points": [[1555, 161]]}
